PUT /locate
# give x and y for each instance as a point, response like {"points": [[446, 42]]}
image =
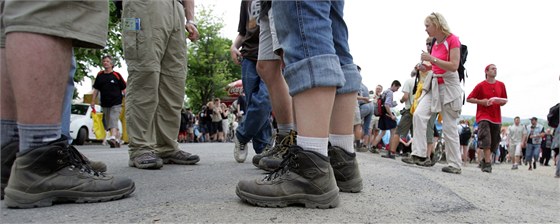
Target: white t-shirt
{"points": [[407, 88]]}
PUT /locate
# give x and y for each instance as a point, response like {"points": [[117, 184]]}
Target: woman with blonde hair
{"points": [[441, 93]]}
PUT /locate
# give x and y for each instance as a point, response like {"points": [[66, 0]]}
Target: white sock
{"points": [[318, 145], [345, 142]]}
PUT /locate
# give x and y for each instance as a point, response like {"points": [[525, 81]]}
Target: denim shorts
{"points": [[314, 38]]}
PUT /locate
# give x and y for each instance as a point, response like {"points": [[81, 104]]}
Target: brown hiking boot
{"points": [[281, 141], [9, 156], [9, 152], [53, 173], [346, 170], [306, 178]]}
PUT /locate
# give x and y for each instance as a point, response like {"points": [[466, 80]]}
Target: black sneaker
{"points": [[147, 160], [52, 174]]}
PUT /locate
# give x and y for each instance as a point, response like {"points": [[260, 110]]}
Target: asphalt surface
{"points": [[394, 192]]}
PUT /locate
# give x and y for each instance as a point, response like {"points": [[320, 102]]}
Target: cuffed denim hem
{"points": [[317, 71], [353, 79]]}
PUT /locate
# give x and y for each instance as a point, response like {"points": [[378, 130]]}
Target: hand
{"points": [[425, 56], [235, 55], [193, 31]]}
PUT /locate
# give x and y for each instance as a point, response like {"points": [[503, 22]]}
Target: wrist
{"points": [[191, 21]]}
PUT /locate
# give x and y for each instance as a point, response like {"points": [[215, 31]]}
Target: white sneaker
{"points": [[240, 150]]}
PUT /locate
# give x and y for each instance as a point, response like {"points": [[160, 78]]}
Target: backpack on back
{"points": [[553, 116], [466, 131], [464, 52], [379, 107]]}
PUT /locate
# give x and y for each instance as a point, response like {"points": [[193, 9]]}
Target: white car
{"points": [[81, 123]]}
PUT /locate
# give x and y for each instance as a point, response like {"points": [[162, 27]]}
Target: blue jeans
{"points": [[256, 124], [67, 105], [314, 38], [532, 151]]}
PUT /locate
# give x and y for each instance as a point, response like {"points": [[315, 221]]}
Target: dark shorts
{"points": [[386, 123], [488, 135], [464, 139]]}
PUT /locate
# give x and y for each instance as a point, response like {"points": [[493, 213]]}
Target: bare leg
{"points": [[42, 61], [306, 106], [270, 72]]}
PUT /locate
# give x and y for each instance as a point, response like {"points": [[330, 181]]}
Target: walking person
{"points": [[388, 119], [546, 145], [255, 125], [441, 93], [489, 96], [111, 85], [156, 55], [42, 167], [534, 137], [464, 138], [517, 134], [269, 68], [314, 172]]}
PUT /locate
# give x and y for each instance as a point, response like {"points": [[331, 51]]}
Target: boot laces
{"points": [[78, 161], [288, 162]]}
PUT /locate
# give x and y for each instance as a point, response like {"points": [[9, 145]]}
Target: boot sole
{"points": [[180, 162], [19, 199], [158, 164], [324, 201]]}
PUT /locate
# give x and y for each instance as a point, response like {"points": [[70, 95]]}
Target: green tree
{"points": [[210, 67], [86, 58]]}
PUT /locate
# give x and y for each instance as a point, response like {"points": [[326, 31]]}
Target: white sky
{"points": [[387, 37]]}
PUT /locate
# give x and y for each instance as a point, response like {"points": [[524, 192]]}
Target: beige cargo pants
{"points": [[156, 56]]}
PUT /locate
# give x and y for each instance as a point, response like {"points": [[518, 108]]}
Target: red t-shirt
{"points": [[485, 90], [441, 52]]}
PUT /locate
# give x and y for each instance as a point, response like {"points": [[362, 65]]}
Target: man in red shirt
{"points": [[489, 95]]}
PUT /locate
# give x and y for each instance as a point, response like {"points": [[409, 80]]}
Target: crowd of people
{"points": [[286, 67]]}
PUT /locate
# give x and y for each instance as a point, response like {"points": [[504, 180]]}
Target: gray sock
{"points": [[284, 129], [8, 131], [37, 135]]}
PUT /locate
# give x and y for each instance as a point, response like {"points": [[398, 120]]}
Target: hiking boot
{"points": [[426, 163], [305, 178], [9, 156], [181, 157], [450, 169], [9, 152], [147, 160], [486, 167], [53, 173], [282, 142], [240, 150], [413, 159], [514, 167], [272, 162], [267, 151], [346, 170], [374, 150]]}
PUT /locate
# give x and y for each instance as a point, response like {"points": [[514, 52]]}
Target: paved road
{"points": [[393, 192]]}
